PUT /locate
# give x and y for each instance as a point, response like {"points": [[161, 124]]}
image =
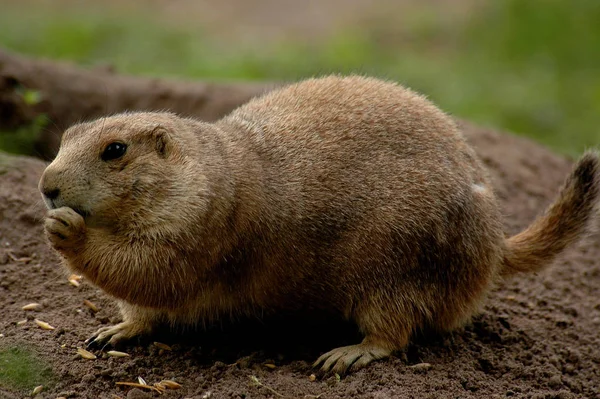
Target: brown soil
{"points": [[537, 336]]}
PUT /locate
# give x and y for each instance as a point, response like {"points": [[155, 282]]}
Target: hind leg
{"points": [[386, 330]]}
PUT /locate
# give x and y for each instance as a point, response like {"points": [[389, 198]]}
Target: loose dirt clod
{"points": [[91, 305], [32, 306], [43, 325], [86, 354]]}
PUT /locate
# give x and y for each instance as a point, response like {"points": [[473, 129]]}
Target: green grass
{"points": [[22, 369], [22, 140], [526, 66]]}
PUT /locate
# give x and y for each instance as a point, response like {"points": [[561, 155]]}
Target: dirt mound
{"points": [[66, 93], [537, 336]]}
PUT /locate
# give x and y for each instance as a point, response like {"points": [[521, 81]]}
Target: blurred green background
{"points": [[528, 66]]}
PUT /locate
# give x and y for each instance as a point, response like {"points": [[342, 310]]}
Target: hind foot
{"points": [[353, 357]]}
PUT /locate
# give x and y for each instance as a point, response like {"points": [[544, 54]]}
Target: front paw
{"points": [[64, 228], [118, 334]]}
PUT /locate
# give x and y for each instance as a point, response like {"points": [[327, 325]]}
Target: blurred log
{"points": [[66, 94]]}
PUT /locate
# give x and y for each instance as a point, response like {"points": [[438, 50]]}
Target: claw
{"points": [[114, 335], [353, 357]]}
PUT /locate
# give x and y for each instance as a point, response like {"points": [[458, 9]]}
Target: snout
{"points": [[56, 195], [49, 189]]}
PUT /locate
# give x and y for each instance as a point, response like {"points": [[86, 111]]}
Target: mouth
{"points": [[51, 204]]}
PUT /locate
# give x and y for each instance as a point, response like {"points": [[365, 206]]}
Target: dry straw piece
{"points": [[170, 384], [91, 305], [86, 354], [136, 385], [117, 354], [159, 387], [43, 325], [32, 306]]}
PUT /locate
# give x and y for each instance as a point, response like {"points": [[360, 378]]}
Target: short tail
{"points": [[562, 224]]}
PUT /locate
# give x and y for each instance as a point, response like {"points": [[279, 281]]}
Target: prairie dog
{"points": [[345, 195]]}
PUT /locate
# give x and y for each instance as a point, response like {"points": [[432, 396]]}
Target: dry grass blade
{"points": [[85, 354], [161, 388], [136, 385], [43, 325], [91, 305], [12, 256], [117, 354], [260, 384], [32, 306], [421, 366], [160, 345]]}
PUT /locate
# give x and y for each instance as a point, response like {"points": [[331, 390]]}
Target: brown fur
{"points": [[349, 196]]}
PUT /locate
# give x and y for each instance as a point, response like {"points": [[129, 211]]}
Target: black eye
{"points": [[114, 151]]}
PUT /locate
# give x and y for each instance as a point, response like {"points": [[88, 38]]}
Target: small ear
{"points": [[162, 141]]}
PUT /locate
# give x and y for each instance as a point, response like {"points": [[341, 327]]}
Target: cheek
{"points": [[105, 194]]}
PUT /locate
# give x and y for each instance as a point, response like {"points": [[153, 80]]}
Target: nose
{"points": [[51, 193], [48, 184]]}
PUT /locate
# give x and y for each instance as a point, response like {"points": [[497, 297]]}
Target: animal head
{"points": [[123, 171]]}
